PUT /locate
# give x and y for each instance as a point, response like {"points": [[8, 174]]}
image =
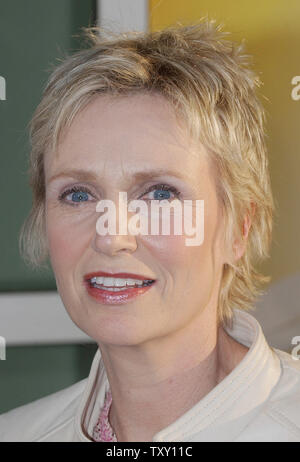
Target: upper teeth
{"points": [[116, 282]]}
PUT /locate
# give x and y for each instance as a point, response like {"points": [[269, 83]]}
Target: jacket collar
{"points": [[223, 412]]}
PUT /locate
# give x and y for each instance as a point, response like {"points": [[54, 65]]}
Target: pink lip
{"points": [[108, 297], [115, 275]]}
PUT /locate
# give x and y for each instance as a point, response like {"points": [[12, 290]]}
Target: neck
{"points": [[153, 384]]}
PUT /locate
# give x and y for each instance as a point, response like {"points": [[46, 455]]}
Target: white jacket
{"points": [[258, 401]]}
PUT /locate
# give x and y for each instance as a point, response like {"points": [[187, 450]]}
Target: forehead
{"points": [[126, 134]]}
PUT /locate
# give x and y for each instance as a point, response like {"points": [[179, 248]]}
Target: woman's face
{"points": [[107, 144]]}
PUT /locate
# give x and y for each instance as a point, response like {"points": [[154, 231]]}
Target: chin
{"points": [[108, 329]]}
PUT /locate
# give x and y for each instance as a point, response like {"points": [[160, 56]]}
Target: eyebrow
{"points": [[86, 175]]}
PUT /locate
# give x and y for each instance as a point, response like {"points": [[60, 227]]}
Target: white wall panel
{"points": [[29, 318], [123, 15]]}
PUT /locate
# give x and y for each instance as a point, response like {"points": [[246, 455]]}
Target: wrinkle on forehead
{"points": [[148, 105], [156, 132]]}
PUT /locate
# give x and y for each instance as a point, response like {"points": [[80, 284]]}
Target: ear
{"points": [[239, 245]]}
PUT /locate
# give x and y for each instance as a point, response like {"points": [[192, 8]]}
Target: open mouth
{"points": [[117, 288], [118, 284]]}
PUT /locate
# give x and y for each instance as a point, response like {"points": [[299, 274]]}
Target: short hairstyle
{"points": [[209, 81]]}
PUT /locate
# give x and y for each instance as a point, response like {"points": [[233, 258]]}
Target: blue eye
{"points": [[160, 194], [75, 195], [80, 196]]}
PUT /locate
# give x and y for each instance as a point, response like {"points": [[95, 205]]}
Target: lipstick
{"points": [[124, 293]]}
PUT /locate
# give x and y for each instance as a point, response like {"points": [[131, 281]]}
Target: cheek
{"points": [[197, 241], [182, 261], [168, 249], [66, 240], [176, 257]]}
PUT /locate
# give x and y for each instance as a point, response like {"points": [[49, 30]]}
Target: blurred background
{"points": [[45, 351]]}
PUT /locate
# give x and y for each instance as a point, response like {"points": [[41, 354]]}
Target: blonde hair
{"points": [[209, 81]]}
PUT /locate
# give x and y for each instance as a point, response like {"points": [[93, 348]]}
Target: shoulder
{"points": [[278, 418], [33, 420], [284, 403]]}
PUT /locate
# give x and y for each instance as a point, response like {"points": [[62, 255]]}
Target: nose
{"points": [[111, 244]]}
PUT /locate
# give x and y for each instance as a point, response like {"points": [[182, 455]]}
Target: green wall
{"points": [[31, 372], [33, 35]]}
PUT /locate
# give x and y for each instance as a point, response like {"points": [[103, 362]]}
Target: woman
{"points": [[171, 115]]}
